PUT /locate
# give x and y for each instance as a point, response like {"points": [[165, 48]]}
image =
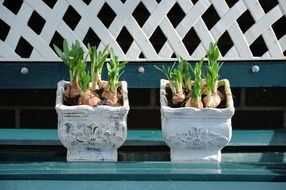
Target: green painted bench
{"points": [[35, 159]]}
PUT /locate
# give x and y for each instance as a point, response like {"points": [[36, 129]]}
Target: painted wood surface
{"points": [[151, 185], [244, 138], [42, 75]]}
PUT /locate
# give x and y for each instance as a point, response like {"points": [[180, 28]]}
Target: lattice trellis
{"points": [[146, 29]]}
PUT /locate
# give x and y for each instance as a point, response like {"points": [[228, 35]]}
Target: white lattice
{"points": [[241, 41]]}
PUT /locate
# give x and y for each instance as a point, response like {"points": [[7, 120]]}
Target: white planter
{"points": [[196, 134], [91, 133]]}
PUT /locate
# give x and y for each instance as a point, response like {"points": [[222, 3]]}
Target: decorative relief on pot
{"points": [[196, 134], [92, 135], [197, 138]]}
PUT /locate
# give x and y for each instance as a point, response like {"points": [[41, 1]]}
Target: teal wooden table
{"points": [[34, 158]]}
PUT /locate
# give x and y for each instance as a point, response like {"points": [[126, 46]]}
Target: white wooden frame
{"points": [[158, 17]]}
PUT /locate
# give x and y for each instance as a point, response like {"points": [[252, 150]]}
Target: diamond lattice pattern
{"points": [[156, 29]]}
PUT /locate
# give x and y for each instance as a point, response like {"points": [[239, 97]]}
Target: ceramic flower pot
{"points": [[91, 133], [196, 134]]}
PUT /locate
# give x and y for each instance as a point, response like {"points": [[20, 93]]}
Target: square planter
{"points": [[196, 134], [91, 133]]}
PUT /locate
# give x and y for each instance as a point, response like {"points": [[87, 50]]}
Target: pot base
{"points": [[186, 155], [91, 155]]}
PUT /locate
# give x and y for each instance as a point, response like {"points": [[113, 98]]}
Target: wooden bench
{"points": [[35, 159]]}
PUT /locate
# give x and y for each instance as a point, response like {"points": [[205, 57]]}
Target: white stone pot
{"points": [[196, 134], [91, 133]]}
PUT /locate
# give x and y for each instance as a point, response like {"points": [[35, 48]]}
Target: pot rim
{"points": [[229, 100], [61, 106]]}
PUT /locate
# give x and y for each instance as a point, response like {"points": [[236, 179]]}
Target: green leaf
{"points": [[66, 49], [115, 69], [59, 52], [108, 67]]}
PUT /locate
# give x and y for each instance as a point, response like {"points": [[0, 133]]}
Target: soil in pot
{"points": [[169, 95], [68, 101]]}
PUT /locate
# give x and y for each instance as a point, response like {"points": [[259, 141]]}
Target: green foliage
{"points": [[71, 58], [97, 60], [184, 68], [197, 86], [166, 71], [84, 77], [180, 77], [74, 59], [114, 70], [174, 75], [213, 67], [213, 53]]}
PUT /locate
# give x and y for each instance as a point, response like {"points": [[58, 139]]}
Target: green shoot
{"points": [[174, 76], [184, 68], [97, 60], [166, 71], [114, 71], [213, 68], [197, 86], [84, 77], [71, 58], [177, 81]]}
